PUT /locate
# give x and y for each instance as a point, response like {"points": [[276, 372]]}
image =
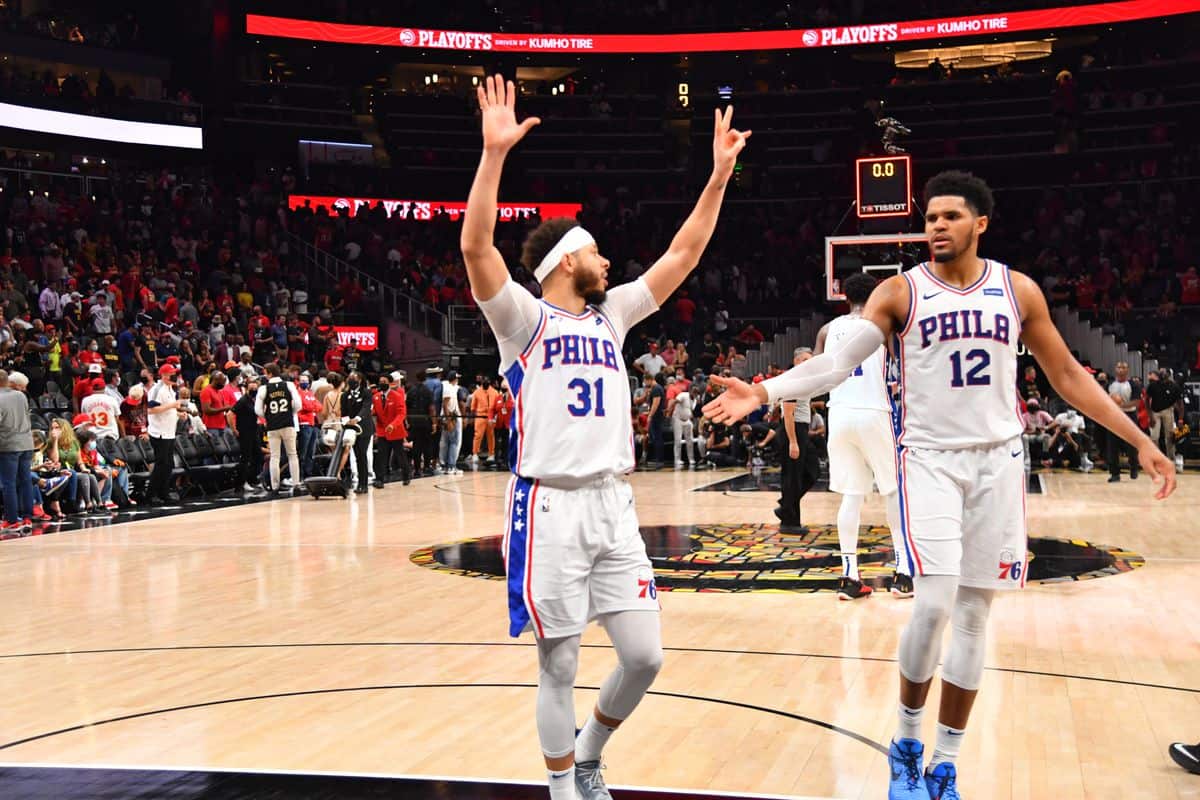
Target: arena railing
{"points": [[393, 302], [36, 180]]}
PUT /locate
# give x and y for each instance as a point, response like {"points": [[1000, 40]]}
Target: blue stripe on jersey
{"points": [[893, 376], [903, 487], [518, 522], [515, 375]]}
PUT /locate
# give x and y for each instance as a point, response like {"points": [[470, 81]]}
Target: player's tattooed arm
{"points": [[672, 269], [1076, 385], [501, 132]]}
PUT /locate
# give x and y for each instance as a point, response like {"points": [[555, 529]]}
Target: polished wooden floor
{"points": [[298, 635]]}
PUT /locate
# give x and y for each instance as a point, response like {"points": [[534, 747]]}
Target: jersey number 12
{"points": [[975, 375]]}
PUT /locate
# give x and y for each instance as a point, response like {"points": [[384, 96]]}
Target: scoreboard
{"points": [[883, 187]]}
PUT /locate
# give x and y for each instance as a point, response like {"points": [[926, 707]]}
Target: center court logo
{"points": [[760, 558], [408, 37]]}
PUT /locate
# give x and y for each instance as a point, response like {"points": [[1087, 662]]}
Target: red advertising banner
{"points": [[365, 337], [424, 210], [916, 30]]}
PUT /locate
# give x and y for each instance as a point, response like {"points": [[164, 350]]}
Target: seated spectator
{"points": [[1068, 443], [1037, 431]]}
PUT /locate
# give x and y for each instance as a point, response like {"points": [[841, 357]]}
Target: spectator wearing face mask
{"points": [[1068, 443], [310, 406], [391, 415], [245, 427], [356, 409], [501, 419], [83, 385], [1037, 431]]}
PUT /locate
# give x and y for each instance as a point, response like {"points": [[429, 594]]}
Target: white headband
{"points": [[571, 241]]}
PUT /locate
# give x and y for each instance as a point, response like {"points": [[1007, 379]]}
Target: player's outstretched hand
{"points": [[1160, 469], [738, 400], [727, 141], [497, 102]]}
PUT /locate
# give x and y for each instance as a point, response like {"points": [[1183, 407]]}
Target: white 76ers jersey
{"points": [[866, 386], [958, 362], [571, 402]]}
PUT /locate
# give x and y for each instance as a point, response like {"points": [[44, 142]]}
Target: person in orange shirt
{"points": [[483, 400]]}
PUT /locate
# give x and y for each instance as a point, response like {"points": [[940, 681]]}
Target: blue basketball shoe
{"points": [[908, 780], [941, 782]]}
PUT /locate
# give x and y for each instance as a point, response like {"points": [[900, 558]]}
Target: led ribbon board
{"points": [[888, 32], [425, 210]]}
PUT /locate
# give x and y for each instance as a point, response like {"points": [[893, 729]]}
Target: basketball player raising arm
{"points": [[501, 132], [956, 321], [885, 315], [572, 549]]}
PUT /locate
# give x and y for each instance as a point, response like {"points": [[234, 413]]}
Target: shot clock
{"points": [[883, 187]]}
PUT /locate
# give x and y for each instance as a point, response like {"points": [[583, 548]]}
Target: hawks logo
{"points": [[408, 37]]}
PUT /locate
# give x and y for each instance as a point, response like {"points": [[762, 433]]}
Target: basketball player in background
{"points": [[961, 472], [862, 446], [572, 548]]}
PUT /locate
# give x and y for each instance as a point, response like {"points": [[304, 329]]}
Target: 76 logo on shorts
{"points": [[1011, 569], [646, 586]]}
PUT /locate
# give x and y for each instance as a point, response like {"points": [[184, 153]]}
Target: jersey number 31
{"points": [[583, 397]]}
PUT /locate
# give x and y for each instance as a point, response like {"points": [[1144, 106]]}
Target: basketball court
{"points": [[359, 649]]}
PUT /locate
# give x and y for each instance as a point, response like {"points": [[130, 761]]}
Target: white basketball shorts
{"points": [[963, 513], [862, 451], [572, 555]]}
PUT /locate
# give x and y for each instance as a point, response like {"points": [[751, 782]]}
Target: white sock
{"points": [[849, 516], [892, 503], [591, 740], [910, 723], [562, 783], [948, 741]]}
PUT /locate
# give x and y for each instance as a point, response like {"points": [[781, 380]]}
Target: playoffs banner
{"points": [[425, 210], [365, 337], [916, 30]]}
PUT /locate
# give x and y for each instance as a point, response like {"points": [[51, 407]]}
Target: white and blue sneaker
{"points": [[908, 779], [941, 782], [589, 783]]}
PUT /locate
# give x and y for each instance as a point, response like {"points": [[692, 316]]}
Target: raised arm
{"points": [[672, 269], [485, 266], [1075, 385], [888, 304]]}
